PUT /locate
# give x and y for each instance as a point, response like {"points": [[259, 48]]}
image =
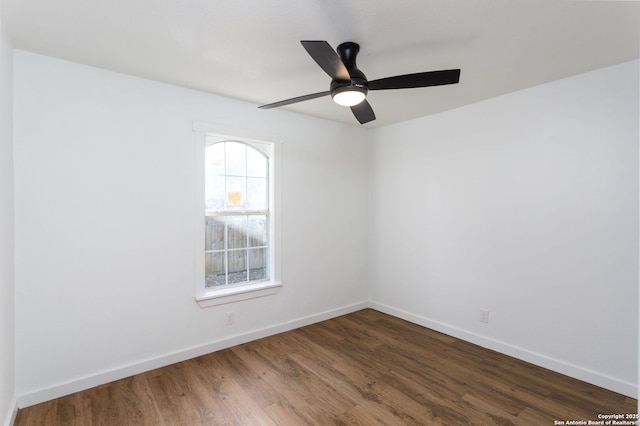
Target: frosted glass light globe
{"points": [[349, 98]]}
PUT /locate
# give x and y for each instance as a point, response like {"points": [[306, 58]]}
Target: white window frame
{"points": [[226, 294]]}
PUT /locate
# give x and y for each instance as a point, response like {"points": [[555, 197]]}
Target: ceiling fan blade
{"points": [[420, 79], [294, 100], [327, 58], [363, 112]]}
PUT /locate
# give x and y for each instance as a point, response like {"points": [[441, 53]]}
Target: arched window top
{"points": [[236, 176], [236, 158]]}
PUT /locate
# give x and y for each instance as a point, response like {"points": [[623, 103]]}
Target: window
{"points": [[236, 232], [236, 213]]}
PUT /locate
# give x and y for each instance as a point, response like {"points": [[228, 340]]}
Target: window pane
{"points": [[258, 264], [214, 192], [236, 156], [237, 266], [214, 269], [236, 188], [214, 159], [256, 163], [238, 277], [214, 233], [236, 243], [236, 232], [257, 231], [256, 193]]}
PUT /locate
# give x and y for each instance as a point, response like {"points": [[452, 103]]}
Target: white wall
{"points": [[526, 205], [104, 185], [7, 342]]}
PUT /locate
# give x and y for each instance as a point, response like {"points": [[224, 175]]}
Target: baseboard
{"points": [[97, 379], [562, 367], [12, 412]]}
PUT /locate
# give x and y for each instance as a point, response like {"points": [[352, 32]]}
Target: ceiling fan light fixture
{"points": [[349, 86], [349, 95]]}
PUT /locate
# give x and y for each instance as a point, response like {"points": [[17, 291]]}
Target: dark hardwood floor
{"points": [[364, 368]]}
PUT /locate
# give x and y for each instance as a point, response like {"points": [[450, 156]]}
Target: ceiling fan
{"points": [[349, 86]]}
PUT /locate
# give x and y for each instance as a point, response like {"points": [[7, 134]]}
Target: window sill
{"points": [[235, 294]]}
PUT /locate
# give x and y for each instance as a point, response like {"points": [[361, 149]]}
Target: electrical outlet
{"points": [[230, 318], [484, 315]]}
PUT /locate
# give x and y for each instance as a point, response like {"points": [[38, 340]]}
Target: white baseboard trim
{"points": [[12, 412], [97, 379], [562, 367], [87, 382]]}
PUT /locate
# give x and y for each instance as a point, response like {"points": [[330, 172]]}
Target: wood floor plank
{"points": [[279, 377], [74, 410], [530, 416], [487, 413], [40, 414], [244, 410], [173, 395], [135, 402], [251, 381], [207, 379], [292, 379], [365, 368], [287, 414]]}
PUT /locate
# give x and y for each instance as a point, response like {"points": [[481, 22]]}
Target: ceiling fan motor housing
{"points": [[348, 52]]}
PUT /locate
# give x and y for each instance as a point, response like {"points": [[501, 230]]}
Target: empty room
{"points": [[317, 212]]}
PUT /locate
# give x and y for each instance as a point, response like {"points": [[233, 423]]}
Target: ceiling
{"points": [[250, 49]]}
